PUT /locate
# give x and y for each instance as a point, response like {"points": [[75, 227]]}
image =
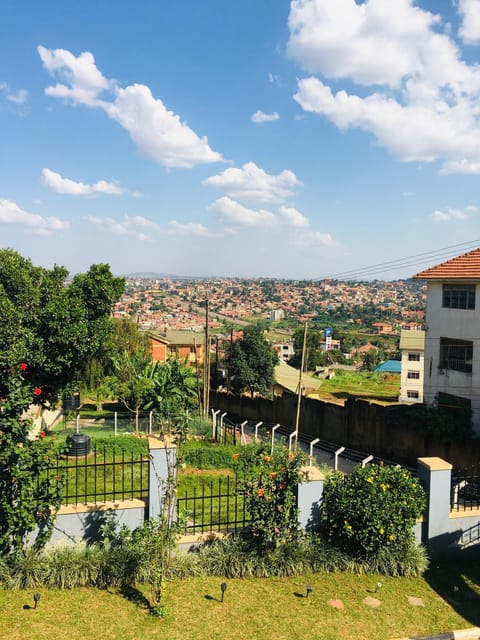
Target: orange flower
{"points": [[42, 434], [267, 458], [273, 474], [235, 456], [261, 492], [291, 455]]}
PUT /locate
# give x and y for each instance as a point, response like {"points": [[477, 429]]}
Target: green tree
{"points": [[29, 492], [133, 382], [54, 327], [251, 362], [125, 336], [312, 349]]}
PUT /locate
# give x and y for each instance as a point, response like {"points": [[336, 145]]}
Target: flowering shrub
{"points": [[269, 482], [29, 496], [372, 508]]}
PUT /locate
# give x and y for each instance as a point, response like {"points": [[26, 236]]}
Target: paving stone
{"points": [[336, 604], [415, 602], [371, 602]]}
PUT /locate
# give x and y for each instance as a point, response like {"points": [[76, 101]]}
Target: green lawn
{"points": [[362, 384], [259, 609]]}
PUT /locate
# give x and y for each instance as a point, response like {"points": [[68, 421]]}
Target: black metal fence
{"points": [[465, 494], [102, 476], [218, 505]]}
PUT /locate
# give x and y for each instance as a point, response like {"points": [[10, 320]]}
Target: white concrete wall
{"points": [[459, 324]]}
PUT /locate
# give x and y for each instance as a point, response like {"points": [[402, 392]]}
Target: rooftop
{"points": [[464, 267]]}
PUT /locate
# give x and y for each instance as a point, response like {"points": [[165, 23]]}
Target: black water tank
{"points": [[78, 444]]}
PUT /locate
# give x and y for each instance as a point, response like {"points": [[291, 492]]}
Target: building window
{"points": [[459, 296], [413, 394], [413, 375], [414, 357], [456, 354]]}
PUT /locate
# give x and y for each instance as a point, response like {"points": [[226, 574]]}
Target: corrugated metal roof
{"points": [[464, 267], [186, 337], [414, 340], [287, 377]]}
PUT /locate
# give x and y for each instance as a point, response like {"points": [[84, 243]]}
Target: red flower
{"points": [[57, 478], [37, 391], [261, 492], [42, 434], [23, 366]]}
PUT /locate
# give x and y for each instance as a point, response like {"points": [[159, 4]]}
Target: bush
{"points": [[202, 455], [372, 509], [130, 445], [269, 482]]}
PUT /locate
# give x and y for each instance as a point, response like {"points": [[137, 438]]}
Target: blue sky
{"points": [[221, 138]]}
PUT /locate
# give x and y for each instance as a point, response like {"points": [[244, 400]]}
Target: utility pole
{"points": [[206, 366], [299, 397]]}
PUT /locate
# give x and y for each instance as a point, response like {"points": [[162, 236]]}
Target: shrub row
{"points": [[231, 557]]}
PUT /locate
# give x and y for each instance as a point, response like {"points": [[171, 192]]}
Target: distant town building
{"points": [[277, 314], [412, 346]]}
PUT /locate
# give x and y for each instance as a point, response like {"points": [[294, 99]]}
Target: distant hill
{"points": [[150, 275]]}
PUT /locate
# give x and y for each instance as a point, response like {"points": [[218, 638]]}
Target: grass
{"points": [[219, 508], [363, 384], [264, 609]]}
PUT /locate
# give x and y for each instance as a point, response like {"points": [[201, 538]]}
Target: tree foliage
{"points": [[372, 508], [29, 492], [251, 362], [269, 481], [55, 327]]}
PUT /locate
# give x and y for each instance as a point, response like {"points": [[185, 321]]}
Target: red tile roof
{"points": [[464, 267]]}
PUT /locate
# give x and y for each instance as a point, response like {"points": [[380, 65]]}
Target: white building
{"points": [[277, 314], [412, 345], [452, 337]]}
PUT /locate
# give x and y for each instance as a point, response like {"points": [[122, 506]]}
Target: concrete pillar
{"points": [[309, 495], [435, 475], [162, 476]]}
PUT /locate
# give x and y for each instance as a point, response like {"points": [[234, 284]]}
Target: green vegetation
{"points": [[194, 611], [372, 509], [362, 384], [251, 362]]}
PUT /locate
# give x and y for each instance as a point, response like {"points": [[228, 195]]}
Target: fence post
{"points": [[435, 475], [162, 474], [309, 495]]}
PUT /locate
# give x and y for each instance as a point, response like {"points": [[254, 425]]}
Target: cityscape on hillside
{"points": [[166, 303]]}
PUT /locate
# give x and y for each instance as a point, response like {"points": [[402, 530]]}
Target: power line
{"points": [[413, 260]]}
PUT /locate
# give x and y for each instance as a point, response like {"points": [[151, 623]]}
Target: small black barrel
{"points": [[78, 445]]}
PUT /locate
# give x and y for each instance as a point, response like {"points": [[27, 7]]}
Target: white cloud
{"points": [[57, 183], [451, 214], [85, 80], [128, 226], [189, 229], [11, 213], [254, 184], [343, 39], [461, 166], [19, 96], [469, 11], [158, 133], [292, 217], [260, 116], [425, 105], [234, 213], [274, 79], [311, 239]]}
